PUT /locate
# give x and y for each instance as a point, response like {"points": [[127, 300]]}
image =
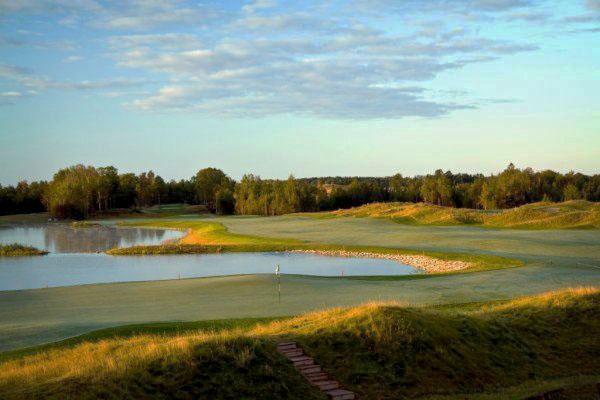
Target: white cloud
{"points": [[165, 41], [340, 73], [467, 8], [34, 84], [592, 16], [593, 5], [266, 58], [258, 5], [117, 15], [72, 59], [11, 94], [7, 98], [46, 6]]}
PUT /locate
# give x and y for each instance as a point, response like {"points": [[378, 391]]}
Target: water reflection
{"points": [[67, 265], [63, 238], [76, 269]]}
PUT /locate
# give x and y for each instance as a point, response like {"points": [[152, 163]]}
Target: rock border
{"points": [[430, 265]]}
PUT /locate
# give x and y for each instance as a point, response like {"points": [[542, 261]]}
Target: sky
{"points": [[351, 88]]}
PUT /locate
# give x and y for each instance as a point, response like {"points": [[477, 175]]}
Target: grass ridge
{"points": [[380, 350], [574, 214]]}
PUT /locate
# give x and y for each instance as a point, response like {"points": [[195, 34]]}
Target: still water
{"points": [[73, 259], [63, 238]]}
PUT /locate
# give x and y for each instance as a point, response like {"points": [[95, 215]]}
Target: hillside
{"points": [[570, 214], [511, 349]]}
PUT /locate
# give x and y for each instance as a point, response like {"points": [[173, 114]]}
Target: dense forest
{"points": [[81, 191]]}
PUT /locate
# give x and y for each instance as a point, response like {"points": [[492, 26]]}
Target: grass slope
{"points": [[568, 215], [213, 237], [18, 250], [157, 328], [382, 351]]}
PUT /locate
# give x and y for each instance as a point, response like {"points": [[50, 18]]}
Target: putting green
{"points": [[543, 244], [554, 259]]}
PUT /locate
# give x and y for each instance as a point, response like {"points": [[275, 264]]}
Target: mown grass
{"points": [[175, 209], [18, 250], [212, 237], [381, 351], [163, 329], [85, 224], [33, 218], [576, 214]]}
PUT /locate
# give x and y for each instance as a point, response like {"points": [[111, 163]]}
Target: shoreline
{"points": [[201, 236], [430, 265]]}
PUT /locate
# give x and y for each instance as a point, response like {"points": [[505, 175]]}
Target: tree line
{"points": [[81, 191]]}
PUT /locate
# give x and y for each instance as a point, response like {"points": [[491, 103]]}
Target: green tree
{"points": [[571, 193], [514, 187], [487, 199], [72, 192], [159, 190], [126, 194], [225, 202], [292, 196], [106, 188], [207, 182], [145, 188], [437, 189]]}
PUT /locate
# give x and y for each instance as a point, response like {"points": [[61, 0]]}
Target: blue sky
{"points": [[311, 88]]}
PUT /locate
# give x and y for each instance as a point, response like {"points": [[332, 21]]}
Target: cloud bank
{"points": [[348, 60]]}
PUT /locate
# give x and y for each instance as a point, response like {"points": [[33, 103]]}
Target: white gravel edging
{"points": [[428, 264]]}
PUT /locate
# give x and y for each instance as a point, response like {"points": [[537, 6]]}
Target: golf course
{"points": [[509, 263], [313, 200], [553, 271]]}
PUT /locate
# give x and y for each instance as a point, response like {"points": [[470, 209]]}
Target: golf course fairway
{"points": [[552, 259]]}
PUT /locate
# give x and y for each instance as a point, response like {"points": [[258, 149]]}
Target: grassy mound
{"points": [[506, 350], [571, 214], [412, 213], [18, 250]]}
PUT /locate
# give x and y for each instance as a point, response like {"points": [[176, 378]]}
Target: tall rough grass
{"points": [[18, 250], [380, 350], [568, 215]]}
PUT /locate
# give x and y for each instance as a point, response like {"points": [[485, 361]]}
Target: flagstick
{"points": [[278, 283]]}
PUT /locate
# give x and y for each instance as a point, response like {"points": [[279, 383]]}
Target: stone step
{"points": [[327, 385], [307, 369], [318, 378], [292, 353], [287, 346], [283, 344], [315, 375], [313, 372], [341, 394], [303, 363], [300, 358]]}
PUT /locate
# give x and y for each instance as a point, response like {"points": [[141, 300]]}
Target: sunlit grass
{"points": [[571, 214], [212, 237], [380, 350], [18, 250]]}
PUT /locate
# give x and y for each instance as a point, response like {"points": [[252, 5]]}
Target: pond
{"points": [[73, 260], [64, 238]]}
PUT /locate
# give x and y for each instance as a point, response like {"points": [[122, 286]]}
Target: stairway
{"points": [[313, 372]]}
